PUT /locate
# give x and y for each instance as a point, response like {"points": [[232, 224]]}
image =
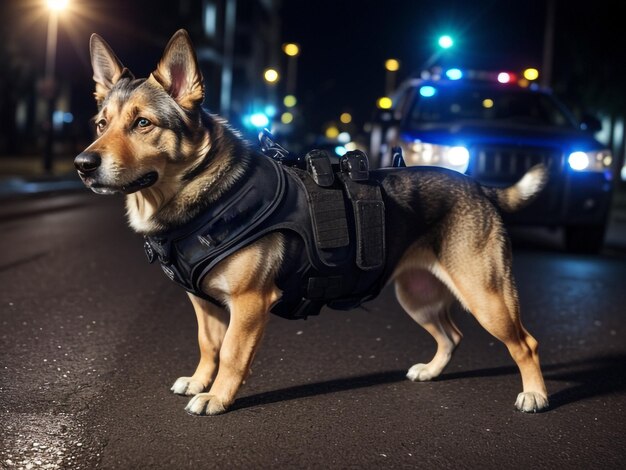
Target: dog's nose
{"points": [[87, 162]]}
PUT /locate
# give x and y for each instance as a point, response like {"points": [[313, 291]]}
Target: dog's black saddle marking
{"points": [[335, 209]]}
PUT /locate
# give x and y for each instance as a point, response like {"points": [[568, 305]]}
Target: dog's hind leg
{"points": [[212, 324], [485, 286], [427, 300]]}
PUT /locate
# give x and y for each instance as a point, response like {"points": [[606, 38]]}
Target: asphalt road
{"points": [[92, 338]]}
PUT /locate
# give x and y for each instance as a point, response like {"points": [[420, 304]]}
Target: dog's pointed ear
{"points": [[107, 68], [178, 72]]}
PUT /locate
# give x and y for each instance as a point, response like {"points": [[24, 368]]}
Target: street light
{"points": [[444, 42], [292, 51], [49, 86], [391, 66], [270, 75]]}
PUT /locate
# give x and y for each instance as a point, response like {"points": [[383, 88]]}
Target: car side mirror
{"points": [[590, 123]]}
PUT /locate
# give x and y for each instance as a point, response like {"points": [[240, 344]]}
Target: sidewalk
{"points": [[21, 175]]}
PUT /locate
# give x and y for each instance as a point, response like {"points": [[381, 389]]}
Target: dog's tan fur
{"points": [[471, 263]]}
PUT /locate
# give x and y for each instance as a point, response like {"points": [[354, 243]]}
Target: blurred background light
{"points": [[531, 74], [259, 120], [291, 49], [428, 91], [57, 4], [454, 74], [290, 101], [504, 77], [346, 118], [344, 137], [332, 132], [286, 118], [392, 65], [445, 41], [340, 150], [270, 110], [270, 75], [578, 160], [384, 102]]}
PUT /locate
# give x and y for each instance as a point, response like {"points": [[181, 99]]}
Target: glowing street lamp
{"points": [[271, 75], [445, 41], [48, 90], [391, 66], [292, 51]]}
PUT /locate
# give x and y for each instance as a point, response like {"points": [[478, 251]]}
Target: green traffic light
{"points": [[445, 42]]}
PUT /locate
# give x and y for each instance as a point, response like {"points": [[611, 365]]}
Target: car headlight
{"points": [[597, 160], [421, 153]]}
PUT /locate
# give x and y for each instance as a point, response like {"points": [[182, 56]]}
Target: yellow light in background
{"points": [[286, 118], [523, 83], [290, 101], [57, 4], [384, 102], [270, 75], [488, 103], [392, 65], [346, 118], [332, 132], [291, 49], [531, 74]]}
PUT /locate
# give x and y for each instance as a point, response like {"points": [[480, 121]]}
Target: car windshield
{"points": [[449, 104]]}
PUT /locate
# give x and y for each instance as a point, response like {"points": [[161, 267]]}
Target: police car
{"points": [[494, 127]]}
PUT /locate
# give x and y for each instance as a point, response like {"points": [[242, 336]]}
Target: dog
{"points": [[444, 235]]}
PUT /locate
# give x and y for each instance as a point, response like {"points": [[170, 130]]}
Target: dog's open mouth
{"points": [[140, 183]]}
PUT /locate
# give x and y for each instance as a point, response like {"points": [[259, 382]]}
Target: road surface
{"points": [[92, 338]]}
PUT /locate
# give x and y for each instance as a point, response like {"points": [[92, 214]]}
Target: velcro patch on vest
{"points": [[329, 216], [369, 216], [370, 226], [324, 287]]}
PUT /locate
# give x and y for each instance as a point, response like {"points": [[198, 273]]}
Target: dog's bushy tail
{"points": [[523, 192]]}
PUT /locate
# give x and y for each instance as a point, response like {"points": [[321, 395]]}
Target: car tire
{"points": [[584, 238]]}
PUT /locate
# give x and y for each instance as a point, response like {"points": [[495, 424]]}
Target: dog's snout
{"points": [[87, 162]]}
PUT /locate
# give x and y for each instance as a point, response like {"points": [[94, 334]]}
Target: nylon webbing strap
{"points": [[369, 215]]}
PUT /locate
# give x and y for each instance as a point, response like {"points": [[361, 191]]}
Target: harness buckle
{"points": [[207, 240], [397, 159], [355, 164], [277, 152], [319, 167], [147, 248]]}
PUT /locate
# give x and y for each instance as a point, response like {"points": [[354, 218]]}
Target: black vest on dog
{"points": [[337, 212]]}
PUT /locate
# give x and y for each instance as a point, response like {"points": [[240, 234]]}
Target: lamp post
{"points": [[49, 85], [292, 51], [391, 66]]}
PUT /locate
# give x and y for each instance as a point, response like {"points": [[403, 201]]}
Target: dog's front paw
{"points": [[531, 402], [205, 404], [420, 373], [187, 386]]}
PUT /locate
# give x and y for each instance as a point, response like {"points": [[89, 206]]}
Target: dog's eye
{"points": [[143, 122], [101, 124]]}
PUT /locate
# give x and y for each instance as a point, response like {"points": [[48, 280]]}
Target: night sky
{"points": [[344, 42]]}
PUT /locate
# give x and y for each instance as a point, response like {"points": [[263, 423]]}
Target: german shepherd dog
{"points": [[172, 159]]}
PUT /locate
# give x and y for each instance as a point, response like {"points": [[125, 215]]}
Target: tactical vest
{"points": [[336, 210]]}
